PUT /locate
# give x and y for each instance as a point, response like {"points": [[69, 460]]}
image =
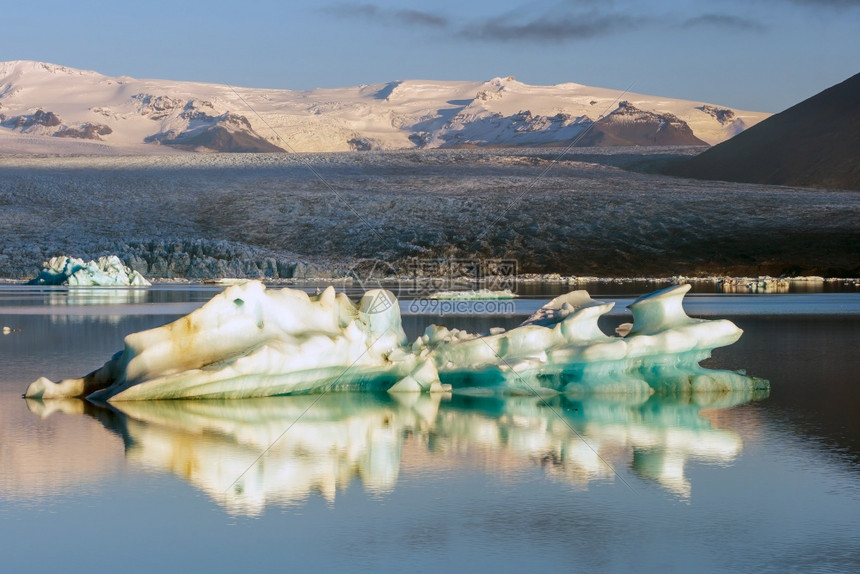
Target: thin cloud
{"points": [[376, 13], [551, 29], [828, 3], [421, 18], [725, 21], [564, 25]]}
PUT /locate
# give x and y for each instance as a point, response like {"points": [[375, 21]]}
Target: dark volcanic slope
{"points": [[812, 144]]}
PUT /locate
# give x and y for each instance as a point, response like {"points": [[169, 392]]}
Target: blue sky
{"points": [[753, 54]]}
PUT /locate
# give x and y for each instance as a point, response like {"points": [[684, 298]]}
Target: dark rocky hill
{"points": [[815, 143], [630, 126]]}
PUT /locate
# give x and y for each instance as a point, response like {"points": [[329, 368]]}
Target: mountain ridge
{"points": [[134, 115]]}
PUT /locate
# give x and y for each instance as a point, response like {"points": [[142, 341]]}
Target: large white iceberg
{"points": [[105, 272], [252, 342]]}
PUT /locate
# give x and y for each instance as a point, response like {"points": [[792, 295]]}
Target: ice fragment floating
{"points": [[106, 272]]}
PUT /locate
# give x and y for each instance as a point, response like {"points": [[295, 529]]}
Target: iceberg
{"points": [[249, 341], [106, 272]]}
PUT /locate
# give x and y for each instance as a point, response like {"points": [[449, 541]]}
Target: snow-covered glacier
{"points": [[250, 341]]}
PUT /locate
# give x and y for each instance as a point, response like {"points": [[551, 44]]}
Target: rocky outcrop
{"points": [[85, 131], [37, 118], [157, 107], [468, 129], [41, 121], [722, 115], [200, 128], [627, 125], [216, 138]]}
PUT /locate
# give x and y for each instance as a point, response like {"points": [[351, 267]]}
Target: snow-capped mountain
{"points": [[46, 107]]}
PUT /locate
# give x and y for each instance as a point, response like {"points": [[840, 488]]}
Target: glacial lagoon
{"points": [[727, 482]]}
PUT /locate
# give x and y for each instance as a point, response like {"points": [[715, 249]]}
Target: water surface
{"points": [[727, 483]]}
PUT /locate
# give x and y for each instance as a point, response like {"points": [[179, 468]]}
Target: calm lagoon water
{"points": [[729, 483]]}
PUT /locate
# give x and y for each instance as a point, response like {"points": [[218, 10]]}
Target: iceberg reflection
{"points": [[322, 443]]}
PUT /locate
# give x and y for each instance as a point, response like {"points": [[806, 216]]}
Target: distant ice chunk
{"points": [[761, 284], [473, 295], [252, 342], [105, 272]]}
